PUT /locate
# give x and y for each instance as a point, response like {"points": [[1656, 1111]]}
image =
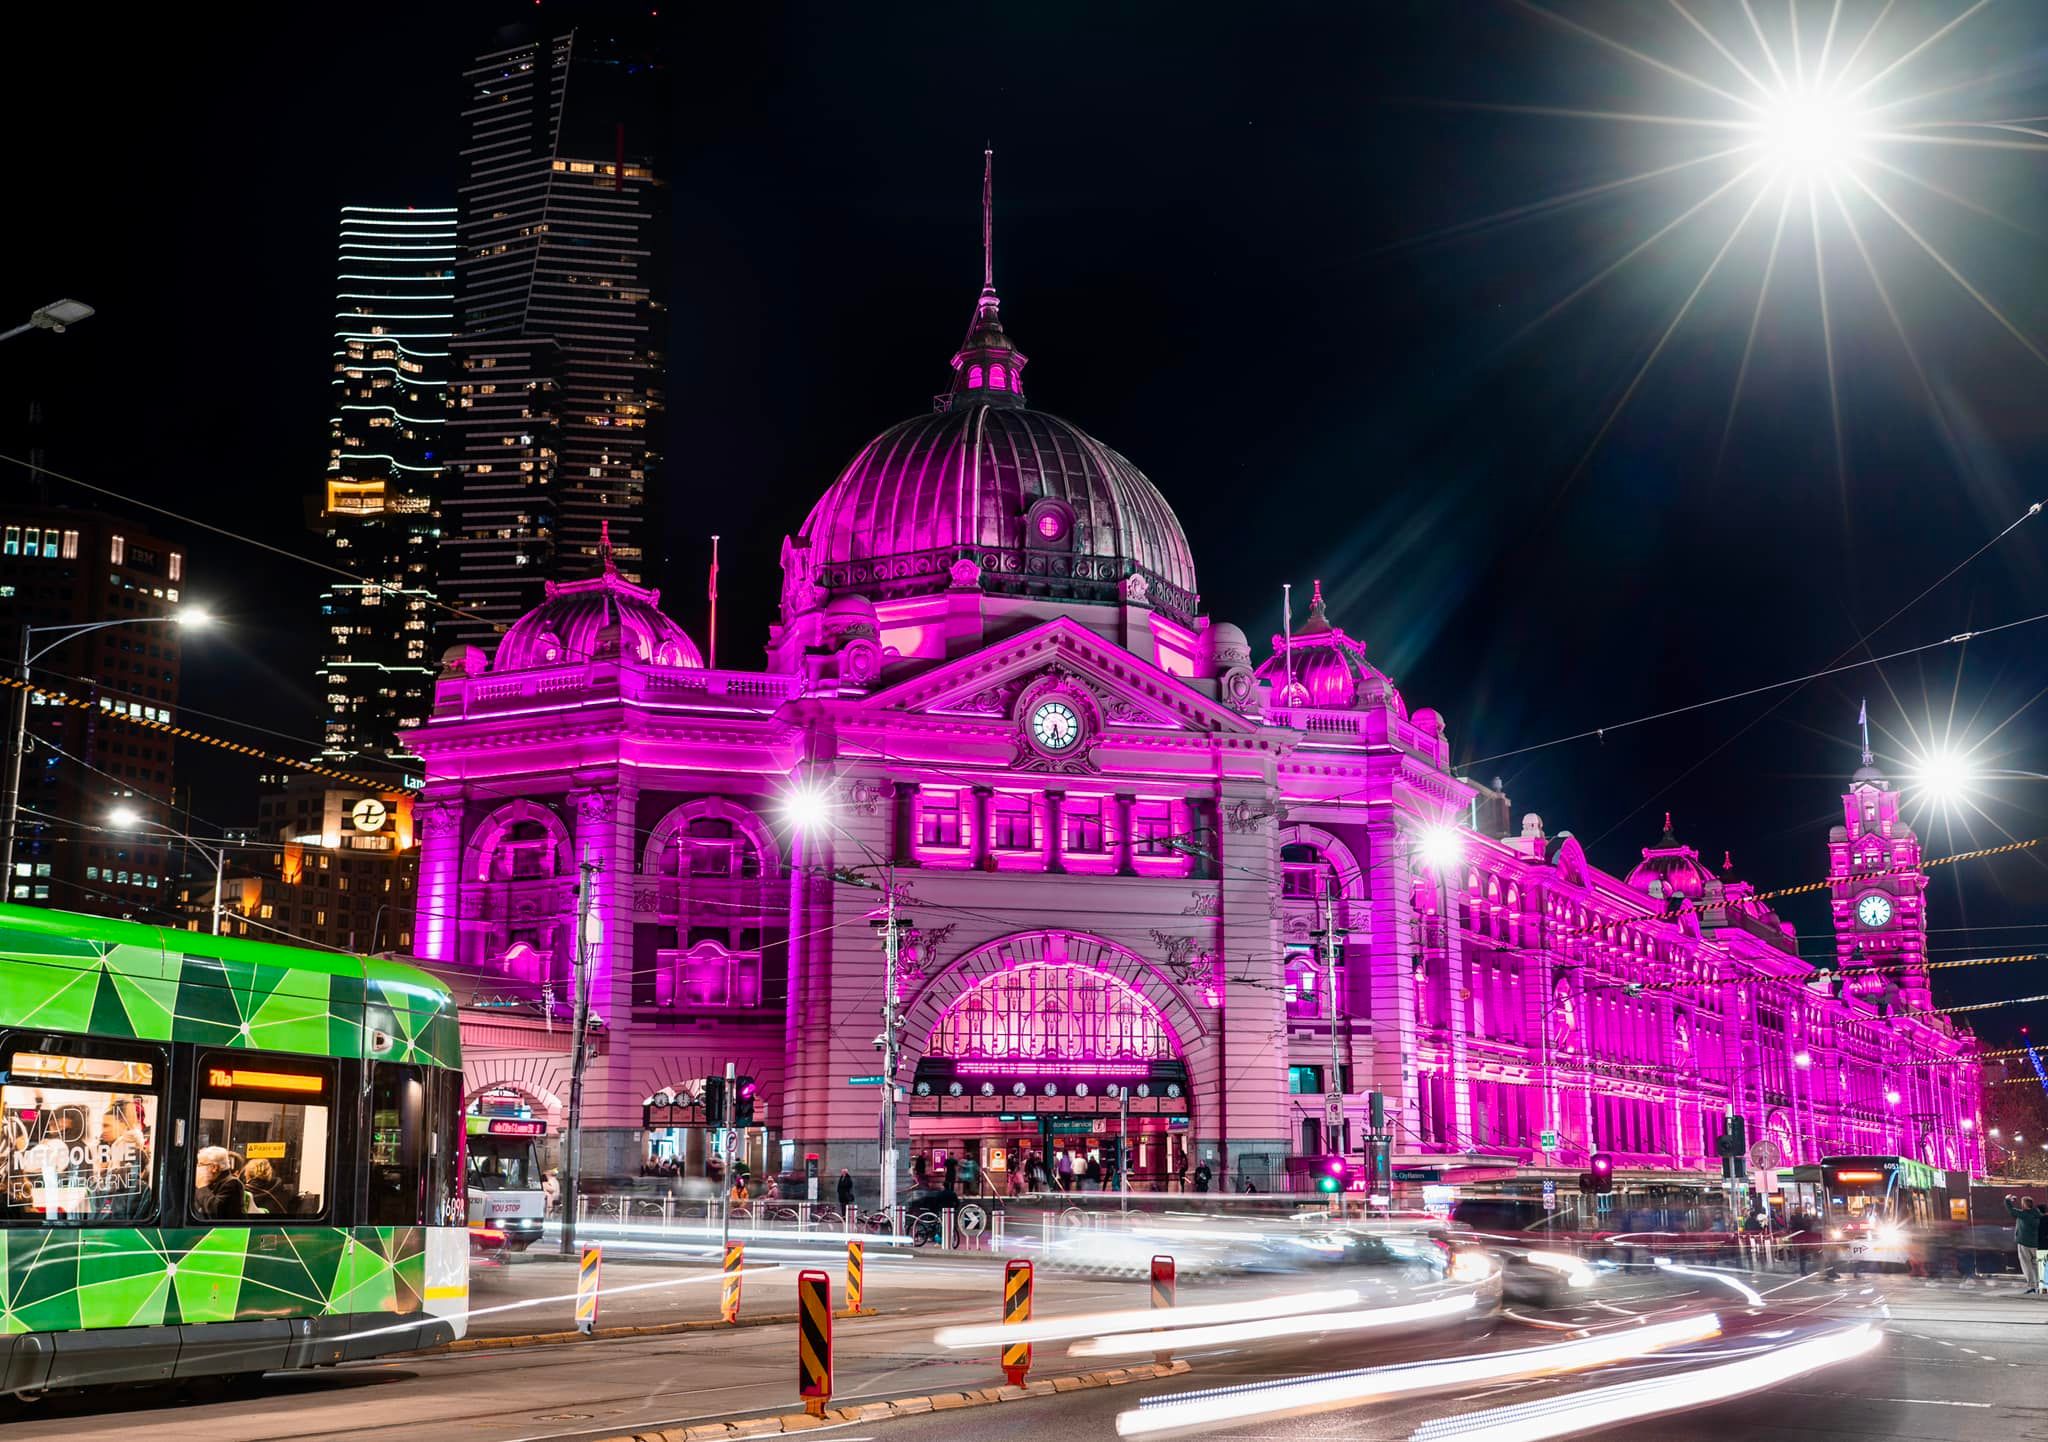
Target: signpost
{"points": [[1550, 1140], [865, 1081]]}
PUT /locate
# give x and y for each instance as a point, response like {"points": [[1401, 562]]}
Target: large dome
{"points": [[1042, 506], [569, 625], [986, 493]]}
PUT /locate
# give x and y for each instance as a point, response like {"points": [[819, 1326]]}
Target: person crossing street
{"points": [[2026, 1236]]}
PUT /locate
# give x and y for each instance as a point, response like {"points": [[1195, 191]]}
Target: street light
{"points": [[191, 617], [53, 317], [1802, 1060], [127, 818], [809, 810], [1944, 776], [1439, 846]]}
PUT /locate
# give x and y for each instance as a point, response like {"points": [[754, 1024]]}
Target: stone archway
{"points": [[483, 842]]}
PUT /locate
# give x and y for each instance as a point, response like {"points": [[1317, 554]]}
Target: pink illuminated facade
{"points": [[1114, 836]]}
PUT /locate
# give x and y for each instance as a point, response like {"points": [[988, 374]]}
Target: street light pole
{"points": [[52, 317], [1328, 940], [25, 654], [892, 927], [578, 1038]]}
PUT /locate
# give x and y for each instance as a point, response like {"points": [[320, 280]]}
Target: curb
{"points": [[605, 1334], [792, 1422]]}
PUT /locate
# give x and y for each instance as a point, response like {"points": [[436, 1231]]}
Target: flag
{"points": [[1863, 714]]}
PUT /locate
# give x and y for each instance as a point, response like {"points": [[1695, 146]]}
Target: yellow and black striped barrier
{"points": [[1162, 1294], [1016, 1309], [729, 1303], [814, 1340], [586, 1289], [854, 1258]]}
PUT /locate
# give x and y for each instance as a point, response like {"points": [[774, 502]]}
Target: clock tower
{"points": [[1877, 890]]}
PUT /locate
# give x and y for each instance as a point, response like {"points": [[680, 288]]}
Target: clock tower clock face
{"points": [[1055, 725], [1874, 910]]}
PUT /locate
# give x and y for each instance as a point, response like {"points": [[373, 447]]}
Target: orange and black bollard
{"points": [[586, 1289], [854, 1258], [729, 1304], [1016, 1309], [814, 1340], [1162, 1294]]}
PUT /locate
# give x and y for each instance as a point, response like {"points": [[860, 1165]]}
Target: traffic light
{"points": [[1603, 1172], [743, 1101], [714, 1101], [1330, 1174]]}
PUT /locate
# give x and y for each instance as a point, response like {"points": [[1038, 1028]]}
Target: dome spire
{"points": [[988, 369]]}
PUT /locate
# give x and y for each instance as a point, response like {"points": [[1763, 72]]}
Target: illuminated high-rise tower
{"points": [[394, 309], [555, 397]]}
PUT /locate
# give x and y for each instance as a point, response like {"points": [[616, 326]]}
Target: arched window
{"points": [[974, 378], [995, 378], [525, 852], [1017, 381]]}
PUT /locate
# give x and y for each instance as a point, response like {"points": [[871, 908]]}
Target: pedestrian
{"points": [[952, 1171], [1203, 1176], [551, 1193], [845, 1188], [2026, 1237], [1066, 1169], [1092, 1175]]}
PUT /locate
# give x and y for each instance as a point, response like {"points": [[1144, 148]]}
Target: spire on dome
{"points": [[988, 368], [604, 547], [1670, 837], [1318, 619]]}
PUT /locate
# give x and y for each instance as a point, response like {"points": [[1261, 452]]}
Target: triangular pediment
{"points": [[1131, 692]]}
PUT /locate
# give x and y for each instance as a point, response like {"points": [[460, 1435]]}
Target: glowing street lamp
{"points": [[127, 818], [1892, 1098], [1808, 136], [185, 618], [1944, 777], [808, 810], [1802, 1059], [1439, 846]]}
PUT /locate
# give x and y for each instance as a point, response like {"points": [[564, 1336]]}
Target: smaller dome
{"points": [[1671, 868], [1328, 669], [605, 616]]}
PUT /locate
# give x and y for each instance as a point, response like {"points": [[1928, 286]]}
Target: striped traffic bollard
{"points": [[854, 1287], [586, 1289], [1016, 1309], [814, 1340], [729, 1304], [1162, 1295]]}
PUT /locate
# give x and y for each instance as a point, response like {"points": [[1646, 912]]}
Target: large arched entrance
{"points": [[1051, 1064]]}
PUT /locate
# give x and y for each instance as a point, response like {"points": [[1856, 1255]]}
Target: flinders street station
{"points": [[1148, 875]]}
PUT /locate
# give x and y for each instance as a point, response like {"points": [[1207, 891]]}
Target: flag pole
{"points": [[711, 658]]}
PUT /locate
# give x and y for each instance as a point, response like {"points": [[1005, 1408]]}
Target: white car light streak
{"points": [[1652, 1397], [1441, 1309], [1054, 1329], [1350, 1389], [1732, 1283]]}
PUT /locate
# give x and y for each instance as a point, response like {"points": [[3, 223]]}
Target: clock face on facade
{"points": [[1874, 910], [1055, 725]]}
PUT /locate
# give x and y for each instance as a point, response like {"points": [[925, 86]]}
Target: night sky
{"points": [[1248, 246]]}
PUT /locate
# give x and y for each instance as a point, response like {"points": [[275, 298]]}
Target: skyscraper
{"points": [[394, 308], [555, 397]]}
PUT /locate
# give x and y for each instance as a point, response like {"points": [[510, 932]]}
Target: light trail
{"points": [[1437, 1309], [1057, 1329], [1268, 1400], [1653, 1397], [569, 1298]]}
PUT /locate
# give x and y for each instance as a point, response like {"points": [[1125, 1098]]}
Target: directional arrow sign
{"points": [[865, 1081]]}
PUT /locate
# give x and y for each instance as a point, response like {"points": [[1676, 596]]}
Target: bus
{"points": [[507, 1209], [220, 1157], [1873, 1201]]}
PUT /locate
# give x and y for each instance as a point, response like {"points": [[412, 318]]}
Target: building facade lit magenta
{"points": [[1116, 835]]}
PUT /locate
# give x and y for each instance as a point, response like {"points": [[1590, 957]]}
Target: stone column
{"points": [[984, 808], [1055, 839], [435, 915], [1125, 802], [606, 836]]}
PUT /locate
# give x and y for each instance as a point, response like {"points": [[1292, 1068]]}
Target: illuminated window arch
{"points": [[1053, 1012], [995, 378], [974, 378]]}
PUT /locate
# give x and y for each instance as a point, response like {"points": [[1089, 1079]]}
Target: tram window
{"points": [[80, 1133], [398, 1107], [447, 1205], [262, 1146]]}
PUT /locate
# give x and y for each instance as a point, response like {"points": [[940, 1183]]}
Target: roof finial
{"points": [[988, 225], [1863, 723], [604, 547]]}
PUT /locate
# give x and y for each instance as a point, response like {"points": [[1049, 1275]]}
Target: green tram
{"points": [[221, 1157]]}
